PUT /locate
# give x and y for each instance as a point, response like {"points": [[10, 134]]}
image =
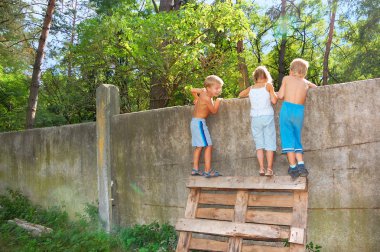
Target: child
{"points": [[204, 104], [293, 90], [261, 94]]}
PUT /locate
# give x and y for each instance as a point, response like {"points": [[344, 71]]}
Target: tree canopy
{"points": [[137, 47]]}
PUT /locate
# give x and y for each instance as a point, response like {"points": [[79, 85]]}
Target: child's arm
{"points": [[195, 92], [244, 93], [213, 108], [312, 85], [281, 92], [273, 95]]}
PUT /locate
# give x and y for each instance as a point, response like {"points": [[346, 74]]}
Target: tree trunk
{"points": [[258, 54], [158, 93], [244, 80], [281, 65], [159, 97], [168, 5], [33, 94], [72, 38], [325, 76]]}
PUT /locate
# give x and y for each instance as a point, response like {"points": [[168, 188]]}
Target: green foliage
{"points": [[130, 49], [83, 234], [65, 100], [313, 247], [151, 237], [15, 50], [127, 44], [13, 99], [358, 43], [310, 247]]}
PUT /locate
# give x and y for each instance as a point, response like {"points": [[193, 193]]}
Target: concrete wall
{"points": [[151, 157], [52, 166]]}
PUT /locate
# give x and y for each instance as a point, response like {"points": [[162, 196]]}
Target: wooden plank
{"points": [[268, 217], [256, 216], [299, 218], [244, 230], [209, 245], [254, 182], [270, 200], [241, 206], [190, 211], [254, 200], [261, 248], [215, 214], [297, 235], [235, 243], [218, 199]]}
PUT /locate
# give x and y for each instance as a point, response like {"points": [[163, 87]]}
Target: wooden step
{"points": [[259, 183]]}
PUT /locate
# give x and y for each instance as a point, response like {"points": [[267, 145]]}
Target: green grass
{"points": [[83, 234]]}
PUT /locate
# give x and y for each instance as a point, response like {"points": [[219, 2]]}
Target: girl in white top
{"points": [[261, 96]]}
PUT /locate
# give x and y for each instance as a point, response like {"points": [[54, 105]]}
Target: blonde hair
{"points": [[261, 72], [211, 80], [299, 66]]}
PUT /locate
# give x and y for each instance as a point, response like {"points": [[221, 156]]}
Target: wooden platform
{"points": [[238, 213]]}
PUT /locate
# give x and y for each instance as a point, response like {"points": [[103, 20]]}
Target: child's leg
{"points": [[299, 157], [270, 142], [208, 153], [197, 154], [303, 172], [287, 133], [270, 155], [293, 169], [260, 158], [291, 158]]}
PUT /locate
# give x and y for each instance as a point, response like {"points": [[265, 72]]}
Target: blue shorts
{"points": [[200, 136], [264, 132], [291, 122]]}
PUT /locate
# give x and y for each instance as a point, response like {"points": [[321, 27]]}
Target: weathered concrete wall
{"points": [[52, 166], [152, 156]]}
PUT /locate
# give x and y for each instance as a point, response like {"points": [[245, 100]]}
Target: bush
{"points": [[83, 234], [152, 237]]}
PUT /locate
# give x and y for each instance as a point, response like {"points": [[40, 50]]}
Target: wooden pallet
{"points": [[244, 214]]}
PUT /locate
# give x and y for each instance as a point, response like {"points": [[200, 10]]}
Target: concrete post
{"points": [[107, 105]]}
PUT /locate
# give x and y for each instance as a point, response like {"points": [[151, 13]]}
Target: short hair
{"points": [[211, 80], [261, 72], [299, 66]]}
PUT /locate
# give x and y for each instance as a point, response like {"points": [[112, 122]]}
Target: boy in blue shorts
{"points": [[293, 90], [204, 105]]}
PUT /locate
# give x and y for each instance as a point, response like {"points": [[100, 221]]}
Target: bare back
{"points": [[294, 89], [201, 109]]}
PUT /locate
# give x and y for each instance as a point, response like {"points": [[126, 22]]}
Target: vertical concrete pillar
{"points": [[107, 105]]}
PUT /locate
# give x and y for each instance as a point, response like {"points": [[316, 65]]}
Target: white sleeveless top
{"points": [[260, 102]]}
